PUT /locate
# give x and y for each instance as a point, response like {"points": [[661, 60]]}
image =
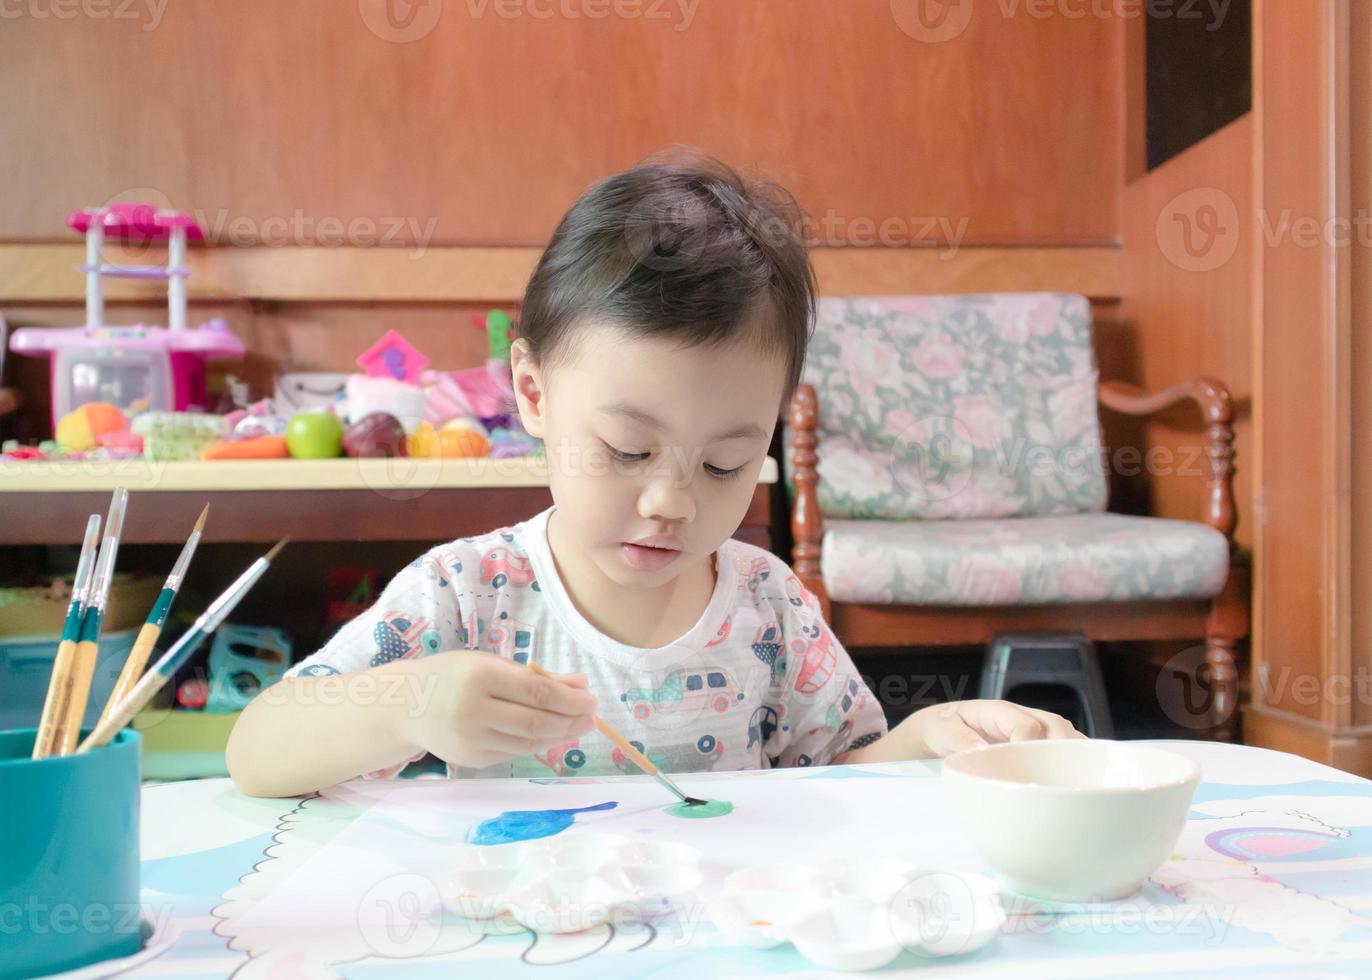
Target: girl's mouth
{"points": [[648, 557]]}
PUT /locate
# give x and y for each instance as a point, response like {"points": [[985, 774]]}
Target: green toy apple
{"points": [[314, 435]]}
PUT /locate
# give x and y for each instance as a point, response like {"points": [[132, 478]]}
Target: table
{"points": [[1273, 876], [46, 502]]}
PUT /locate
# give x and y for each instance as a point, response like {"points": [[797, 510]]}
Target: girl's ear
{"points": [[527, 377]]}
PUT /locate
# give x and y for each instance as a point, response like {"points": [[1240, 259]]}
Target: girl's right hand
{"points": [[475, 709]]}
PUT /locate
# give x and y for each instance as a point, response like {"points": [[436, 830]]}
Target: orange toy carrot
{"points": [[258, 447]]}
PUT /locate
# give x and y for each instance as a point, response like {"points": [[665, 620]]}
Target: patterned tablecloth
{"points": [[1272, 877]]}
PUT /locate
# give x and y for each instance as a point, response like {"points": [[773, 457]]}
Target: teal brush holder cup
{"points": [[68, 856]]}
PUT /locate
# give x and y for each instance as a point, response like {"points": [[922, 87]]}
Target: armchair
{"points": [[949, 485]]}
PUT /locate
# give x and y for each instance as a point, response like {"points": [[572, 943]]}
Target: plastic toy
{"points": [[393, 357], [140, 367], [314, 435], [173, 436], [193, 693], [484, 392], [458, 439], [256, 447], [377, 434], [298, 390], [243, 661], [366, 395], [79, 431], [513, 441]]}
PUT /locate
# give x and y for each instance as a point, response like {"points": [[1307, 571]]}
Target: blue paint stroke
{"points": [[517, 825]]}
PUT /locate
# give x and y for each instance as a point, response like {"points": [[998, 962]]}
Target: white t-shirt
{"points": [[759, 681]]}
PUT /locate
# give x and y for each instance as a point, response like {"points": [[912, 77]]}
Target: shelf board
{"points": [[84, 476]]}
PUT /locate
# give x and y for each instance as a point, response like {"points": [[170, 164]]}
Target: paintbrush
{"points": [[161, 671], [54, 704], [625, 746], [157, 618], [88, 643]]}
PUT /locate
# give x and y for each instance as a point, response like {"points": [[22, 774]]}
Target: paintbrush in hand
{"points": [[625, 746]]}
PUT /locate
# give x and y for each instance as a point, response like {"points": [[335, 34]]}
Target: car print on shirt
{"points": [[565, 759], [755, 572], [721, 634], [510, 638], [838, 711], [399, 635], [767, 647], [796, 592], [470, 632], [818, 656], [440, 566], [500, 566], [763, 723], [699, 756], [682, 690]]}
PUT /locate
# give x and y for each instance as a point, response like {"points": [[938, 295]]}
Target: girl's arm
{"points": [[468, 708], [943, 729], [307, 732]]}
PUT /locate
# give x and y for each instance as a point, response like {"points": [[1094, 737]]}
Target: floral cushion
{"points": [[1022, 561], [942, 407]]}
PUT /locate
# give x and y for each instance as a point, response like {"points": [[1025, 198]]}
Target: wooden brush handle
{"points": [[55, 704], [133, 666], [623, 744], [82, 671]]}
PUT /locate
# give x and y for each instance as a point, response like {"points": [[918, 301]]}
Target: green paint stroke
{"points": [[701, 811]]}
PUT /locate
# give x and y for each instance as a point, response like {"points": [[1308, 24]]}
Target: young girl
{"points": [[660, 337]]}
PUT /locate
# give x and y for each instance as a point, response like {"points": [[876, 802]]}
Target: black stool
{"points": [[1067, 659]]}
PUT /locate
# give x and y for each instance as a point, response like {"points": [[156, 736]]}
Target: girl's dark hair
{"points": [[679, 246]]}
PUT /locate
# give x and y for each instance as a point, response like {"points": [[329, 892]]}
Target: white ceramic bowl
{"points": [[1072, 820]]}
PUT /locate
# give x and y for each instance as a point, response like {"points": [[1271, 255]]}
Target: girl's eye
{"points": [[722, 474], [623, 457]]}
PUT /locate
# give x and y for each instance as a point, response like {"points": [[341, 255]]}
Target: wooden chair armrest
{"points": [[10, 400], [807, 523], [1217, 410]]}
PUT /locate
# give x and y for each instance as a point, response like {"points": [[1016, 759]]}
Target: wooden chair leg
{"points": [[1224, 688], [1225, 627]]}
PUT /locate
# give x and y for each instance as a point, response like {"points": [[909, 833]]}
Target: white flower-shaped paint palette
{"points": [[859, 915], [569, 884]]}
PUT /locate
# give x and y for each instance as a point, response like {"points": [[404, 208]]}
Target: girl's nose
{"points": [[665, 499]]}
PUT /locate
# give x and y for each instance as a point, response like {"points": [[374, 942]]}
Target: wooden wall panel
{"points": [[1306, 653], [1301, 573], [1360, 166], [292, 121], [1187, 273]]}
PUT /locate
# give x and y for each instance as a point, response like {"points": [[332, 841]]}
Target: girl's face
{"points": [[653, 448]]}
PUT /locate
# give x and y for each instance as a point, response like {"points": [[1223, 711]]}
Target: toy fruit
{"points": [[80, 430], [314, 435], [377, 434], [457, 439]]}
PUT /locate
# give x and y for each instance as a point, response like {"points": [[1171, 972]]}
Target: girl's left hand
{"points": [[943, 729]]}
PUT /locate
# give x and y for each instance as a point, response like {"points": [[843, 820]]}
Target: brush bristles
{"points": [[276, 548]]}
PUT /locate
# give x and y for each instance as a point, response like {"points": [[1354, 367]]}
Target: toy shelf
{"points": [[46, 502], [380, 475]]}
